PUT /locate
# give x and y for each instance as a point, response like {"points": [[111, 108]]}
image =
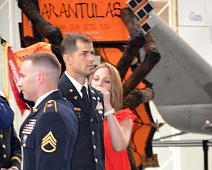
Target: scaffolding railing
{"points": [[205, 144]]}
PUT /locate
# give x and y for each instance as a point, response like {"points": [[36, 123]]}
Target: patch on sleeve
{"points": [[49, 143]]}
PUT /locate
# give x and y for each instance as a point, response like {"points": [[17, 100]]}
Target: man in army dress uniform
{"points": [[10, 149], [78, 55], [49, 133]]}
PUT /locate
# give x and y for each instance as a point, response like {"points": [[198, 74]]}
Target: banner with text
{"points": [[97, 19]]}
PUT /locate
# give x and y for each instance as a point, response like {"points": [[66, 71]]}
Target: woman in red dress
{"points": [[117, 123]]}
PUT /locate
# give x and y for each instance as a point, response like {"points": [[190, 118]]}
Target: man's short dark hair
{"points": [[68, 44]]}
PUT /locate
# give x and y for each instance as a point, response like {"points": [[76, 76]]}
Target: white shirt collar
{"points": [[41, 98], [76, 84]]}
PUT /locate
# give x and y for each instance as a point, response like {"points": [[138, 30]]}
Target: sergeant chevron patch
{"points": [[49, 143]]}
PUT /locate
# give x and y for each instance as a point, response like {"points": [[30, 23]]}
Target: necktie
{"points": [[85, 98]]}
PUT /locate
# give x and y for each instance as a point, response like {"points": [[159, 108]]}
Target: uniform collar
{"points": [[76, 84], [41, 98]]}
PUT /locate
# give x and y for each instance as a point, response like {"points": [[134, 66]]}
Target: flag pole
{"points": [[6, 90]]}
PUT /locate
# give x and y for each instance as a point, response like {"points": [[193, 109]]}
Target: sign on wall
{"points": [[190, 13]]}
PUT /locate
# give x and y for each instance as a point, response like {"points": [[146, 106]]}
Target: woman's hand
{"points": [[106, 97]]}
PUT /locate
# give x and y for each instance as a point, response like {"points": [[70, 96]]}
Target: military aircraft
{"points": [[182, 79]]}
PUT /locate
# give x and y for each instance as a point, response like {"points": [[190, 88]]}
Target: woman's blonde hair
{"points": [[116, 85]]}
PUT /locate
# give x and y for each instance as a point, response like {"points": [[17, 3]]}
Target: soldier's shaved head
{"points": [[46, 61]]}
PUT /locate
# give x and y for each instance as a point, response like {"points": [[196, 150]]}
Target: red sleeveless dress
{"points": [[116, 160]]}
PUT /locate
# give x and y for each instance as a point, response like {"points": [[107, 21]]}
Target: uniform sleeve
{"points": [[6, 113], [15, 150], [52, 147]]}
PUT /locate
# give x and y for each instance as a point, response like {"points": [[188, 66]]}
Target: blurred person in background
{"points": [[10, 149]]}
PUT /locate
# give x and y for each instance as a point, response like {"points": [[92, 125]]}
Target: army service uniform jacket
{"points": [[10, 149], [48, 135], [6, 114], [89, 149]]}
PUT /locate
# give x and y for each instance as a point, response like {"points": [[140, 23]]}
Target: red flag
{"points": [[13, 78], [12, 63]]}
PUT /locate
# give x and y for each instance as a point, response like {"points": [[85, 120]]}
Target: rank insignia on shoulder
{"points": [[50, 105], [49, 143]]}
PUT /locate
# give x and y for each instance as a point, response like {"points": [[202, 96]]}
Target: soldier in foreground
{"points": [[49, 133]]}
